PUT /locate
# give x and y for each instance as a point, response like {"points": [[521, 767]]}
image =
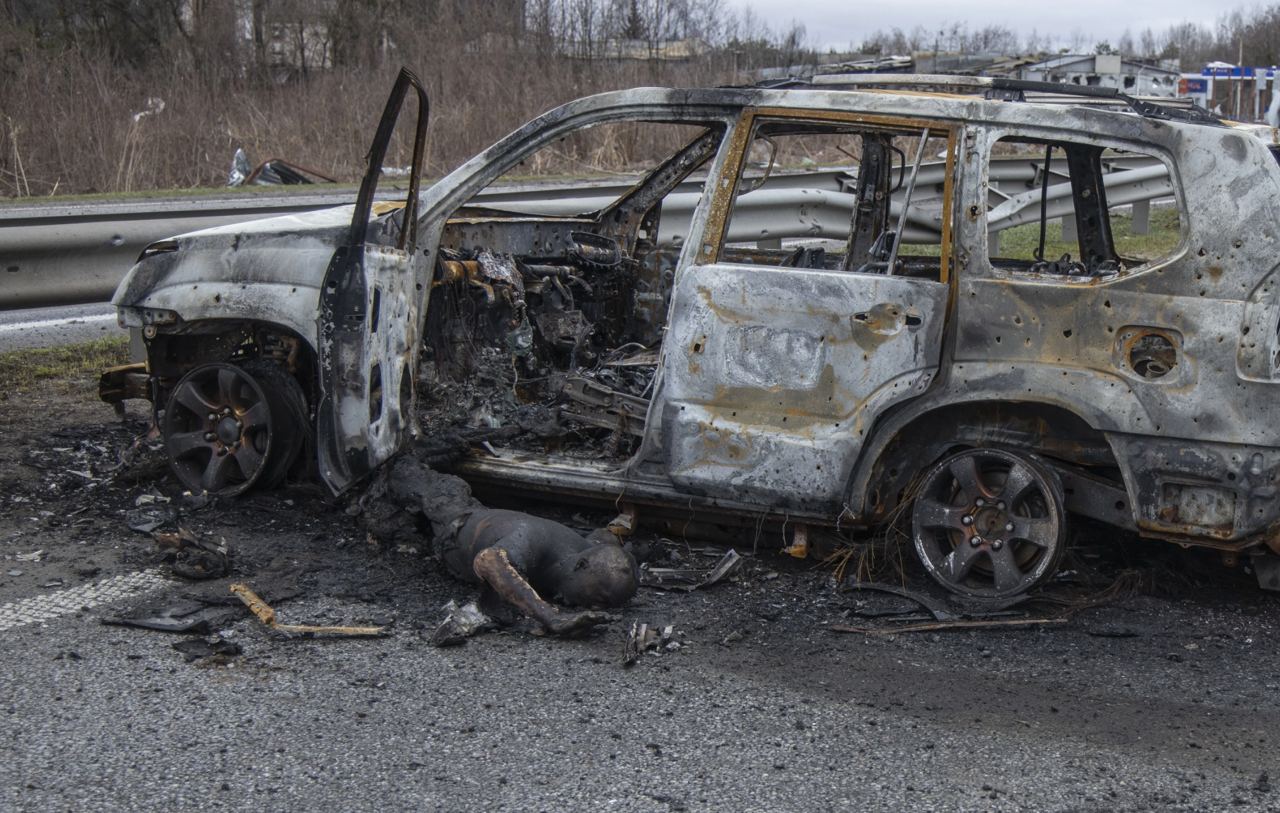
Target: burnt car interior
{"points": [[547, 324], [545, 327]]}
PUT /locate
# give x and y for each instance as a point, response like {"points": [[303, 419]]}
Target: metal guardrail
{"points": [[73, 253]]}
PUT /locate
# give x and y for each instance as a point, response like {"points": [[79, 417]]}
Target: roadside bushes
{"points": [[84, 114]]}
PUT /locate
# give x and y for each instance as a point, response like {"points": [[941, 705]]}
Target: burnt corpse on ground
{"points": [[525, 561]]}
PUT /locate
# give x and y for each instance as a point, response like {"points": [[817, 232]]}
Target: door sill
{"points": [[567, 479]]}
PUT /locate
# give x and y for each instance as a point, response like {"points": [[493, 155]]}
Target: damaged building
{"points": [[1131, 76]]}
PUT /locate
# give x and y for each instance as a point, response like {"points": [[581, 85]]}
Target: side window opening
{"points": [[1068, 209], [606, 159], [596, 217], [831, 196]]}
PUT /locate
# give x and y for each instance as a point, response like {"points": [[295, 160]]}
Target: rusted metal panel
{"points": [[1075, 341], [1196, 488], [774, 375], [368, 319], [373, 406]]}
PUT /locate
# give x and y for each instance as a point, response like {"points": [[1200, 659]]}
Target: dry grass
{"points": [[74, 364], [1021, 242], [69, 124], [883, 556]]}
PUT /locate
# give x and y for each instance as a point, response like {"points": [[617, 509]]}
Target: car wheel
{"points": [[989, 522], [228, 427]]}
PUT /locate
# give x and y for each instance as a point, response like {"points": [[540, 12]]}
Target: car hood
{"points": [[264, 271], [291, 250]]}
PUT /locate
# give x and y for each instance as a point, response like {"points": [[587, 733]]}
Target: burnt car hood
{"points": [[269, 269]]}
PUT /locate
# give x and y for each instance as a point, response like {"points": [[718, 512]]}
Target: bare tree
{"points": [[1149, 46], [1125, 44]]}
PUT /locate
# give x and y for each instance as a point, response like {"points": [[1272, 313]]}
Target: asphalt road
{"points": [[50, 327], [1150, 705], [1162, 698]]}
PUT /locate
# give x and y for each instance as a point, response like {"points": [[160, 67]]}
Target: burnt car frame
{"points": [[812, 387]]}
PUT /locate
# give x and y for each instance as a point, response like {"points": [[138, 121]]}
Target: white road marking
{"points": [[71, 600], [68, 320]]}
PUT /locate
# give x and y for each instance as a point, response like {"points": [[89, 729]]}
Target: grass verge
{"points": [[1160, 240], [20, 369]]}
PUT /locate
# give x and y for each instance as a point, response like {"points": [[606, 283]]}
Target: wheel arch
{"points": [[281, 367], [907, 441], [171, 353]]}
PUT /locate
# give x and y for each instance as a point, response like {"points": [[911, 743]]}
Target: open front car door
{"points": [[370, 309]]}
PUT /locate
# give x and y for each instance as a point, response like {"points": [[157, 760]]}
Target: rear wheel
{"points": [[229, 427], [989, 523]]}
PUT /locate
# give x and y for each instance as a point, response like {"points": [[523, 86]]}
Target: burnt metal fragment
{"points": [[181, 616], [692, 578], [194, 557], [645, 638], [460, 623]]}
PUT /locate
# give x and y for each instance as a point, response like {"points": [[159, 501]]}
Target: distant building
{"points": [[296, 37], [1238, 92], [1106, 70]]}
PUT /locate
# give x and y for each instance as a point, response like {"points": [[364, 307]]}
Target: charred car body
{"points": [[716, 337]]}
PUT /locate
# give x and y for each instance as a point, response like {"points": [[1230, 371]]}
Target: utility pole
{"points": [[1240, 84]]}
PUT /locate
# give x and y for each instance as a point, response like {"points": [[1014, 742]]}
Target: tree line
{"points": [[124, 95], [231, 35], [1249, 37]]}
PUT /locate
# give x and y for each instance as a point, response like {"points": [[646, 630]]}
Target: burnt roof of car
{"points": [[1005, 90]]}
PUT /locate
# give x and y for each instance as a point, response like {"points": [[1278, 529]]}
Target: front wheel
{"points": [[228, 428], [989, 523]]}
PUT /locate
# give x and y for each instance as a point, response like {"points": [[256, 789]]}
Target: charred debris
{"points": [[544, 354]]}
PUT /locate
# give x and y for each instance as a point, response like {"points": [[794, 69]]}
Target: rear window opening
{"points": [[788, 212], [1077, 210]]}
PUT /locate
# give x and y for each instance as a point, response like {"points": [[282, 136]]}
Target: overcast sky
{"points": [[837, 23]]}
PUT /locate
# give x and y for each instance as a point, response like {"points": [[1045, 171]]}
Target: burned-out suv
{"points": [[807, 306]]}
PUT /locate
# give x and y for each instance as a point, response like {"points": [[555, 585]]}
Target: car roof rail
{"points": [[856, 81], [1005, 90], [1145, 107]]}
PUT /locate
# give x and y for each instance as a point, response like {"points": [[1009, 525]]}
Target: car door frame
{"points": [[659, 440], [368, 322]]}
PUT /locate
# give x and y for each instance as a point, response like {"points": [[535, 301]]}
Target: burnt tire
{"points": [[291, 402], [228, 428], [989, 523]]}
